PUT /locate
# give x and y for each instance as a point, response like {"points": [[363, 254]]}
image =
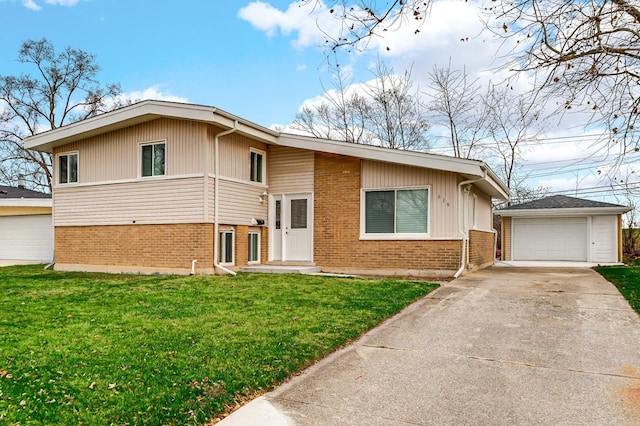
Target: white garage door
{"points": [[28, 238], [550, 239]]}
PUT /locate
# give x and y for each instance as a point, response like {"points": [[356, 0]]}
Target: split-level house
{"points": [[169, 187]]}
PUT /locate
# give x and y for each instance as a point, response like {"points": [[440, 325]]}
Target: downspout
{"points": [[216, 195], [461, 226]]}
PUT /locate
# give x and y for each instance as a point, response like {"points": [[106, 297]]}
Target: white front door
{"points": [[604, 239], [292, 228]]}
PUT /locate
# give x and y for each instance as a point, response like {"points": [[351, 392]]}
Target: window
{"points": [[396, 211], [226, 247], [68, 168], [254, 247], [257, 166], [153, 159], [278, 207], [298, 214]]}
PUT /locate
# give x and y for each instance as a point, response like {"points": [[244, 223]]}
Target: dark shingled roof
{"points": [[11, 192], [560, 202]]}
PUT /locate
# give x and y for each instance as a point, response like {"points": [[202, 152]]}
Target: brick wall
{"points": [[147, 246], [337, 242], [242, 245], [481, 252], [506, 238]]}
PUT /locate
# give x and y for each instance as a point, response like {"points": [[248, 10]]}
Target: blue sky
{"points": [[261, 60], [200, 51]]}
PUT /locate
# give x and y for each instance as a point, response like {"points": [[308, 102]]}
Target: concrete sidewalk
{"points": [[501, 346]]}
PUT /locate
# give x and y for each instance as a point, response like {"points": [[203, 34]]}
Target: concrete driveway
{"points": [[502, 346]]}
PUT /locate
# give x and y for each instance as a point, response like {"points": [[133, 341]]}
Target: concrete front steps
{"points": [[278, 268]]}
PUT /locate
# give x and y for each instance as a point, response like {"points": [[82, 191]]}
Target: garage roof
{"points": [[11, 196], [562, 205]]}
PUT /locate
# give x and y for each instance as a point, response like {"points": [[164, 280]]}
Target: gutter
{"points": [[216, 196], [462, 210]]}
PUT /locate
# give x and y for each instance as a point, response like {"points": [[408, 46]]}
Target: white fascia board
{"points": [[593, 211], [470, 169], [139, 113], [369, 152], [27, 202]]}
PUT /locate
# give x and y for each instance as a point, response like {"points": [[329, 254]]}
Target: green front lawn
{"points": [[626, 279], [120, 349]]}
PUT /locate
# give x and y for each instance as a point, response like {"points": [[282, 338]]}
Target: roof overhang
{"points": [[469, 169], [143, 112], [150, 110], [27, 202], [585, 211]]}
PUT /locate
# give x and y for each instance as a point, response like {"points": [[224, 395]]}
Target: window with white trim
{"points": [[257, 166], [226, 247], [153, 159], [68, 168], [254, 247], [396, 212]]}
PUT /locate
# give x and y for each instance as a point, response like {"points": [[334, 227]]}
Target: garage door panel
{"points": [[550, 239], [28, 238], [605, 239]]}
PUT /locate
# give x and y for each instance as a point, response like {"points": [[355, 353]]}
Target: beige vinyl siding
{"points": [[116, 155], [24, 211], [290, 170], [154, 201], [484, 213], [239, 203], [211, 196], [443, 197], [235, 156]]}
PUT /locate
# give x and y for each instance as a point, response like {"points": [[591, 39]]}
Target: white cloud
{"points": [[301, 67], [62, 2], [30, 4], [154, 92], [310, 21]]}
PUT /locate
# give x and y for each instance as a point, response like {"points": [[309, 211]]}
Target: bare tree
{"points": [[340, 115], [385, 112], [627, 190], [63, 89], [587, 53], [513, 123], [521, 193], [396, 111], [362, 19], [458, 106]]}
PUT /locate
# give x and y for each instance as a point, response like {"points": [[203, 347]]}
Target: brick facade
{"points": [[337, 244], [481, 246], [148, 248], [143, 246]]}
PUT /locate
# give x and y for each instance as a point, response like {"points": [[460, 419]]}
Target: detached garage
{"points": [[561, 228], [26, 227]]}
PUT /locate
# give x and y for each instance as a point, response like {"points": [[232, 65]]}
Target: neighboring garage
{"points": [[26, 228], [561, 228]]}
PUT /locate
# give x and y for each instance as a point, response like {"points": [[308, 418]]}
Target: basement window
{"points": [[254, 247], [226, 247]]}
